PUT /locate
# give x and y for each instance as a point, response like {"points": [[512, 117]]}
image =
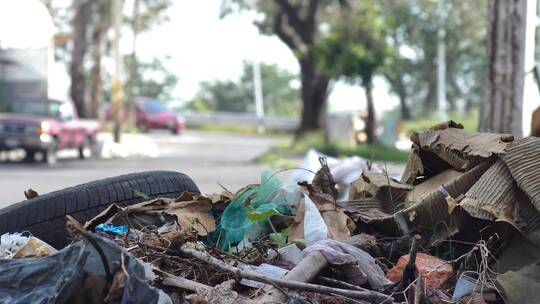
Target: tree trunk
{"points": [[501, 109], [404, 107], [314, 95], [371, 121], [80, 28], [96, 85], [429, 101], [134, 68]]}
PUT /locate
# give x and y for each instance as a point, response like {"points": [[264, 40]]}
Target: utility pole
{"points": [[258, 93], [530, 86], [117, 90], [441, 61]]}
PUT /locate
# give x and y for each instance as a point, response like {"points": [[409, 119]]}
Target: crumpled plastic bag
{"points": [[236, 227], [17, 246], [315, 228], [344, 171], [60, 277], [362, 264], [10, 243]]}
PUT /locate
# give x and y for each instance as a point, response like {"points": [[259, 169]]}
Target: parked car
{"points": [[42, 127], [153, 114]]}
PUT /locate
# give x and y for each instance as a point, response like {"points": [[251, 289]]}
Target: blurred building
{"points": [[27, 67]]}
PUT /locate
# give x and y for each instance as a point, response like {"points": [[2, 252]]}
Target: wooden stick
{"points": [[176, 281], [305, 271], [409, 271], [341, 284], [419, 290], [370, 296]]}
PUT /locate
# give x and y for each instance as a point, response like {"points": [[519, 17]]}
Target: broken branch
{"points": [[287, 282]]}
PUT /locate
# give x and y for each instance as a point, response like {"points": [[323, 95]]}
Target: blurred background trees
{"points": [[395, 39], [356, 41], [280, 93], [90, 23]]}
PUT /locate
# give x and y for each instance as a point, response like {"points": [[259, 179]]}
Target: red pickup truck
{"points": [[41, 128]]}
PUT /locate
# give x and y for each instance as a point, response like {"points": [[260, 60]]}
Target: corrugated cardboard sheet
{"points": [[430, 214], [461, 149], [381, 186], [493, 196], [496, 196], [523, 160], [491, 176]]}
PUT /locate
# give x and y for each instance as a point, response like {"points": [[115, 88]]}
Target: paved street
{"points": [[209, 158]]}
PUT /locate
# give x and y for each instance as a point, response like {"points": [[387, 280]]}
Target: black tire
{"points": [[143, 128], [44, 216], [49, 154], [29, 156]]}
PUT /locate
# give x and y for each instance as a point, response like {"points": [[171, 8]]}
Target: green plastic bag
{"points": [[235, 226]]}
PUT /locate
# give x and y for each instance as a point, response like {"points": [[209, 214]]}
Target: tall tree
{"points": [[356, 48], [101, 23], [502, 103], [80, 22], [413, 36], [298, 25], [146, 14], [395, 72], [153, 79]]}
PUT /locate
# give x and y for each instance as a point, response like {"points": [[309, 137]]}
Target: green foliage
{"points": [[280, 238], [254, 215], [396, 38], [279, 154], [280, 97], [355, 46], [469, 122], [152, 79], [141, 195], [223, 95], [151, 13], [411, 71], [235, 128]]}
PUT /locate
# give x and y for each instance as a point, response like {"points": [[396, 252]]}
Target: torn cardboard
{"points": [[461, 149]]}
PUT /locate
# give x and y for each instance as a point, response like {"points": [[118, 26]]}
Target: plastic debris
{"points": [[10, 243], [71, 274], [466, 284], [18, 246], [112, 229], [362, 264], [235, 224]]}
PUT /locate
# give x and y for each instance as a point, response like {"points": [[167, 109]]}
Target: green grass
{"points": [[469, 122], [279, 155], [233, 128]]}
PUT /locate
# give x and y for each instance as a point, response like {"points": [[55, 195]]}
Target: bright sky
{"points": [[203, 47]]}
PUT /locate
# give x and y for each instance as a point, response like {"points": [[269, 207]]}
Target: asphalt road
{"points": [[209, 158]]}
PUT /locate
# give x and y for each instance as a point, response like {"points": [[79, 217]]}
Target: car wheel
{"points": [[143, 127], [85, 150], [175, 131], [29, 156], [49, 154]]}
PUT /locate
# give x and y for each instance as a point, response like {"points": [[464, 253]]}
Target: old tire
{"points": [[45, 216]]}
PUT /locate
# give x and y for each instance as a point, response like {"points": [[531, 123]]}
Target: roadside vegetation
{"points": [[281, 155]]}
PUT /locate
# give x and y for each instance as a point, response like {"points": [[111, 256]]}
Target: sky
{"points": [[201, 46]]}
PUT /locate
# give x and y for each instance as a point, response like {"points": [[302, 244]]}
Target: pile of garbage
{"points": [[462, 225]]}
